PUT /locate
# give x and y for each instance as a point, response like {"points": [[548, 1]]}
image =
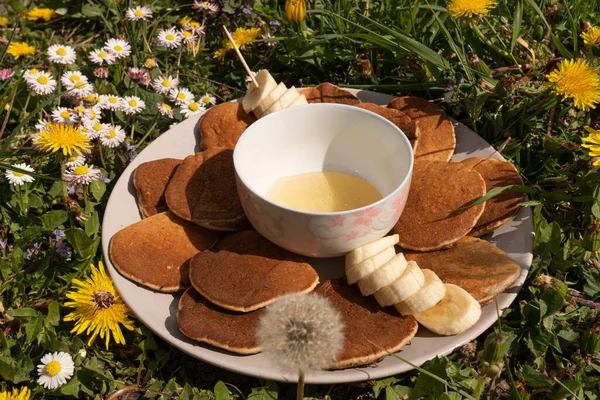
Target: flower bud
{"points": [[295, 10], [550, 283], [495, 348]]}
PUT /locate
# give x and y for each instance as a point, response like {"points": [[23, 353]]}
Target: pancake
{"points": [[415, 107], [203, 191], [155, 252], [408, 126], [150, 180], [475, 265], [366, 325], [437, 188], [437, 140], [329, 93], [502, 207], [201, 320], [222, 125], [246, 282]]}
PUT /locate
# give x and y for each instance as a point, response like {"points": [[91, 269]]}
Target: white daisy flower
{"points": [[181, 96], [110, 102], [170, 38], [192, 108], [75, 161], [56, 369], [189, 37], [19, 178], [42, 124], [165, 109], [64, 115], [119, 47], [61, 54], [132, 105], [207, 99], [84, 174], [81, 89], [205, 6], [113, 136], [163, 85], [138, 13], [101, 56], [96, 129], [91, 115], [70, 78], [41, 83], [31, 74]]}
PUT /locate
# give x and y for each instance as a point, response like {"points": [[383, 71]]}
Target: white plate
{"points": [[158, 310]]}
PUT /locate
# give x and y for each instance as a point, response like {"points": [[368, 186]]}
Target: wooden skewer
{"points": [[240, 56]]}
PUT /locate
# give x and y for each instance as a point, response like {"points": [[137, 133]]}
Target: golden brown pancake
{"points": [[246, 282], [408, 126], [437, 140], [222, 125], [438, 188], [502, 207], [370, 331], [201, 320], [155, 252], [475, 265], [150, 180], [415, 107], [203, 191], [329, 93]]}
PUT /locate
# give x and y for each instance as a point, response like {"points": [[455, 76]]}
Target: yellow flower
{"points": [[23, 394], [19, 49], [244, 37], [295, 10], [98, 308], [592, 142], [592, 37], [185, 20], [576, 79], [62, 136], [220, 54], [468, 8], [150, 63], [40, 13], [3, 21]]}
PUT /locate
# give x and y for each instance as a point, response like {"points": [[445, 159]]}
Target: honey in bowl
{"points": [[324, 191]]}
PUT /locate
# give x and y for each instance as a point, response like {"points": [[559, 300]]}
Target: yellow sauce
{"points": [[323, 192]]}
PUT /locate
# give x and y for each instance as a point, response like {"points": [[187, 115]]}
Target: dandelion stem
{"points": [[22, 210], [147, 132], [179, 59], [101, 156], [63, 169], [479, 388], [495, 48], [300, 391], [132, 125]]}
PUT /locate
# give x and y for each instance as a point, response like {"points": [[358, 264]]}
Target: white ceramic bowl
{"points": [[323, 137]]}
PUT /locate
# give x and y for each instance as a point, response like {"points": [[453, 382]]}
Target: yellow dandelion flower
{"points": [[40, 13], [592, 37], [99, 308], [185, 20], [468, 8], [68, 138], [244, 37], [20, 49], [576, 79], [22, 394], [295, 10], [220, 54], [592, 143], [3, 21]]}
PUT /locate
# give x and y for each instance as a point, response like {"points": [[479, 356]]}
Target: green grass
{"points": [[477, 70]]}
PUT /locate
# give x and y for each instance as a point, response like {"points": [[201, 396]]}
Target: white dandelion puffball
{"points": [[301, 332], [19, 178], [55, 370], [61, 54]]}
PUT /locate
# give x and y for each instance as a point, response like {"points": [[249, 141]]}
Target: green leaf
{"points": [[34, 328], [494, 192], [426, 386], [23, 369], [222, 392], [53, 219], [92, 225], [23, 312], [18, 259], [7, 369], [91, 10], [98, 187], [553, 300], [79, 240], [535, 378], [269, 392], [71, 388], [18, 6], [397, 392], [565, 390], [382, 384], [53, 317], [517, 19]]}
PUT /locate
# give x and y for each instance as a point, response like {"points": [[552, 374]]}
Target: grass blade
{"points": [[517, 17], [492, 193]]}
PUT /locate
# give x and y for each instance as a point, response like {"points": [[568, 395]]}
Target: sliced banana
{"points": [[369, 250], [454, 314], [284, 101], [269, 100], [369, 265], [383, 276], [299, 101], [255, 95], [402, 288], [429, 295]]}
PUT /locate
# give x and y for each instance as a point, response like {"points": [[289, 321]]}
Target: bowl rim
{"points": [[403, 183]]}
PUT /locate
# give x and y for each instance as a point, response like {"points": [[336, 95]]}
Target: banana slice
{"points": [[402, 288], [383, 276], [269, 100], [369, 250], [369, 265], [255, 95], [455, 313], [284, 101], [431, 293], [299, 101]]}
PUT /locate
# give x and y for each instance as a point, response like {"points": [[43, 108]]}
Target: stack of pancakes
{"points": [[195, 237]]}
